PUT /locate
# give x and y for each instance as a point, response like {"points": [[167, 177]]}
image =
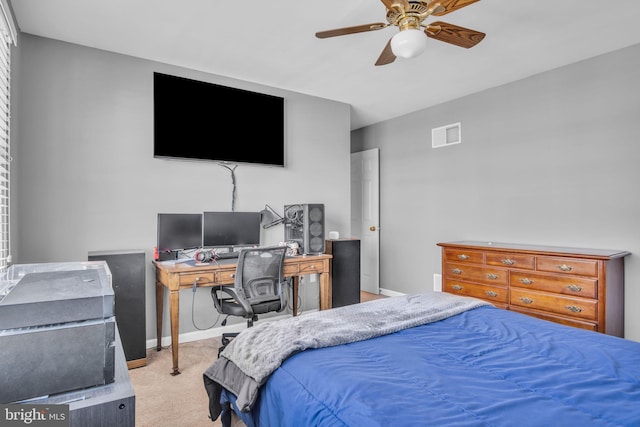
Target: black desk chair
{"points": [[258, 287]]}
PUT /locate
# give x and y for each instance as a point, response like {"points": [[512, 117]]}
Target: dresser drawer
{"points": [[489, 293], [569, 285], [459, 255], [200, 278], [488, 275], [574, 307], [510, 260], [580, 267], [576, 323]]}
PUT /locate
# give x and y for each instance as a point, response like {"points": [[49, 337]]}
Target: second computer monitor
{"points": [[178, 231], [229, 229]]}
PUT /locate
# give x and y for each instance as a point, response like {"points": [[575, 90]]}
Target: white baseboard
{"points": [[390, 293], [437, 286], [209, 333]]}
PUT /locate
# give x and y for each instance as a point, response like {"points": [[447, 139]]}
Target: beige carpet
{"points": [[174, 401]]}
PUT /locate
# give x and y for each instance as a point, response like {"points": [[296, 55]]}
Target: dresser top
{"points": [[547, 250]]}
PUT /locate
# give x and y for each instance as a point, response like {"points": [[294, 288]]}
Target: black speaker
{"points": [[128, 270], [304, 224], [345, 271]]}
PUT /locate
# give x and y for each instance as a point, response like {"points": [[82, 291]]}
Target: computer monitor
{"points": [[229, 229], [178, 231]]}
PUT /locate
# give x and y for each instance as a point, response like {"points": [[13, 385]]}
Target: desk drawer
{"points": [[225, 276], [312, 267], [201, 278], [290, 270]]}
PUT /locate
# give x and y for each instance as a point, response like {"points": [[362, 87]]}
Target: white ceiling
{"points": [[273, 43]]}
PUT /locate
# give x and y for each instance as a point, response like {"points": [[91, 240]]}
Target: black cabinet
{"points": [[345, 271], [128, 282]]}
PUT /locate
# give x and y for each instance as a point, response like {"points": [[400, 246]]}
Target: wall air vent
{"points": [[446, 135]]}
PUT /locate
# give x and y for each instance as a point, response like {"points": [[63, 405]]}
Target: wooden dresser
{"points": [[583, 288]]}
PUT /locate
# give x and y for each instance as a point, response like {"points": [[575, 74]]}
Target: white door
{"points": [[365, 216]]}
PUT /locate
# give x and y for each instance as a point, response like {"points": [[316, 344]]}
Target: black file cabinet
{"points": [[128, 282], [345, 271]]}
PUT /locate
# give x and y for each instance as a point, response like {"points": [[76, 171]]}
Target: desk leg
{"points": [[295, 289], [159, 313], [174, 306], [325, 291]]}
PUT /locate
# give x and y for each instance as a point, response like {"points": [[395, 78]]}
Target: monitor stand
{"points": [[168, 256]]}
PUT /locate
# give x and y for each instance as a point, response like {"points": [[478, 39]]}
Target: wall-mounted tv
{"points": [[205, 121]]}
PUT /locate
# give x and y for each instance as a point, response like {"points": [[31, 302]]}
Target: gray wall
{"points": [[85, 176], [551, 159]]}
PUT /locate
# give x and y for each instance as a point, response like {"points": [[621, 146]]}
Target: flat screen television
{"points": [[205, 121], [178, 231], [229, 229]]}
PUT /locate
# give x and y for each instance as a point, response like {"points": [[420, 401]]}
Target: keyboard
{"points": [[228, 255]]}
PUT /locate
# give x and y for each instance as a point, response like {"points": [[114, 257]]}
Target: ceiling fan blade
{"points": [[400, 5], [453, 34], [351, 30], [387, 56], [448, 6]]}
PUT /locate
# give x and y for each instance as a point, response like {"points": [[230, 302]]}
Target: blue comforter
{"points": [[484, 367]]}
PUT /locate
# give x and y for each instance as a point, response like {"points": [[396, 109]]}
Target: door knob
{"points": [[372, 228]]}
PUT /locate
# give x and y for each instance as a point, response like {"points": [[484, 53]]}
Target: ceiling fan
{"points": [[408, 16]]}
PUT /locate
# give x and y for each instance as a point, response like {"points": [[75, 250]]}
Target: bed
{"points": [[387, 363]]}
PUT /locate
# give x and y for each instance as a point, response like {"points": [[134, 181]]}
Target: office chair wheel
{"points": [[226, 338]]}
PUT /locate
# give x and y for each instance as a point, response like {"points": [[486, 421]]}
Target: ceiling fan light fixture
{"points": [[408, 43]]}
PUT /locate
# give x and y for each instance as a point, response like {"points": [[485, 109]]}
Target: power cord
{"points": [[290, 297], [193, 320], [232, 170]]}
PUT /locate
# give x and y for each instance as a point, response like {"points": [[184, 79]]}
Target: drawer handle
{"points": [[492, 276], [565, 267], [526, 300], [508, 261], [574, 309], [526, 281], [457, 287], [456, 271], [491, 294], [232, 275], [574, 288], [463, 257]]}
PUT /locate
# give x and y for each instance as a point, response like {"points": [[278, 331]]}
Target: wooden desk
{"points": [[183, 276]]}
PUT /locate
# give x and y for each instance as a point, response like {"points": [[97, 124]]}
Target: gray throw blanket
{"points": [[246, 363]]}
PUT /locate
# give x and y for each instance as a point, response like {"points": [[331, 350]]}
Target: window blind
{"points": [[7, 38]]}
